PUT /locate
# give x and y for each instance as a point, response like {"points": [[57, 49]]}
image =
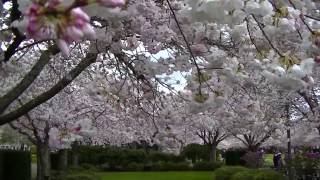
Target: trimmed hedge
{"points": [[268, 175], [135, 167], [225, 173], [196, 152], [78, 176], [122, 157], [242, 173], [206, 166], [169, 166], [15, 165], [160, 166]]}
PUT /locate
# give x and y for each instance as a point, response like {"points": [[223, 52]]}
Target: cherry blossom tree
{"points": [[243, 61]]}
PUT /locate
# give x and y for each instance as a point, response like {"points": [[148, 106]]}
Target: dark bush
{"points": [[170, 166], [253, 159], [304, 165], [196, 152], [110, 155], [243, 175], [76, 169], [15, 165], [234, 157], [268, 175], [54, 160], [225, 173], [78, 176], [134, 167], [89, 167], [119, 156], [206, 166], [164, 157], [249, 174]]}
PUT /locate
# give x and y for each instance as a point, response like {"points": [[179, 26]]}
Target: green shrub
{"points": [[122, 157], [164, 157], [89, 167], [15, 165], [78, 176], [304, 165], [134, 167], [196, 152], [170, 166], [206, 166], [234, 157], [112, 155], [268, 175], [243, 175], [181, 166], [225, 173]]}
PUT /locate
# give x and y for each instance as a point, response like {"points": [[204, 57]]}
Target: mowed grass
{"points": [[268, 160], [157, 175]]}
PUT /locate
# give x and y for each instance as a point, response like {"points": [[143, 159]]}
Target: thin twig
{"points": [[266, 36], [187, 43]]}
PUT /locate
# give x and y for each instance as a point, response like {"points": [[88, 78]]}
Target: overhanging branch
{"points": [[28, 79], [65, 81]]}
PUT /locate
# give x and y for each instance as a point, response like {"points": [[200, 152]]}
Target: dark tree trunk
{"points": [[75, 158], [43, 161], [253, 147], [213, 153], [75, 154], [63, 161]]}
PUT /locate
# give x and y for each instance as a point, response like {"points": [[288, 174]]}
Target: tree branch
{"points": [[65, 81], [28, 79]]}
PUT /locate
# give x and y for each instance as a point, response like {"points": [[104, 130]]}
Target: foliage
{"points": [[225, 173], [268, 160], [118, 156], [258, 175], [112, 155], [305, 165], [206, 166], [268, 175], [157, 176], [157, 156], [249, 59], [234, 157], [243, 175], [196, 152], [170, 166], [134, 167], [87, 175], [89, 167], [15, 165], [253, 159]]}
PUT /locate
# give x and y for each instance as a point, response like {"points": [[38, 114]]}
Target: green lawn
{"points": [[157, 176], [268, 160]]}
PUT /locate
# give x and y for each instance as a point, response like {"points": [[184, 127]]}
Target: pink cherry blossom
{"points": [[111, 3]]}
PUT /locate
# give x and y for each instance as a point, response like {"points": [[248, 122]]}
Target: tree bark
{"points": [[75, 154], [43, 161], [63, 161], [213, 153], [28, 79], [60, 85], [75, 158], [253, 147]]}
